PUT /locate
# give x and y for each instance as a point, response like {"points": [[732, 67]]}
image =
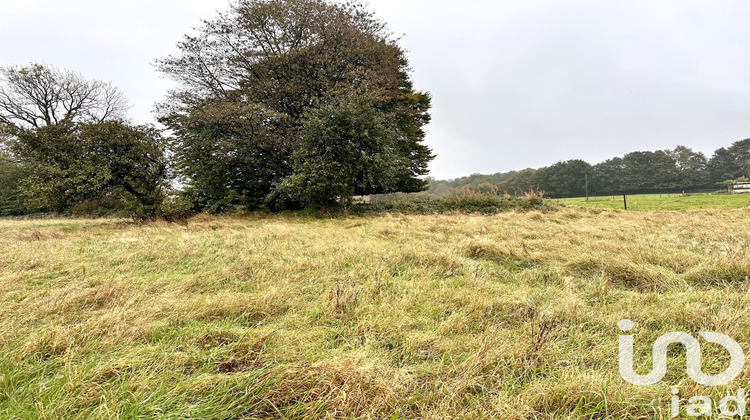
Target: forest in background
{"points": [[677, 170]]}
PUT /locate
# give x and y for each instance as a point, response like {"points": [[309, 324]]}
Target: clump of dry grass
{"points": [[42, 235], [438, 316]]}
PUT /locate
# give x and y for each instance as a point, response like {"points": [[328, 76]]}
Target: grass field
{"points": [[647, 202], [436, 316]]}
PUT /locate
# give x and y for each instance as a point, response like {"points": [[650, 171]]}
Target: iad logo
{"points": [[693, 348], [699, 405]]}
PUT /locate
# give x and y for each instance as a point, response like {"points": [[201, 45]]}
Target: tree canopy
{"points": [[345, 148], [253, 80], [73, 162]]}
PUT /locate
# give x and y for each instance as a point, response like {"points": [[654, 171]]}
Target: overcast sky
{"points": [[516, 84]]}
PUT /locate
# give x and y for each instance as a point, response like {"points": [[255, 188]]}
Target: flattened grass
{"points": [[436, 316]]}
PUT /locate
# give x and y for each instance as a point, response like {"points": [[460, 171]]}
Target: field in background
{"points": [[646, 202], [436, 316]]}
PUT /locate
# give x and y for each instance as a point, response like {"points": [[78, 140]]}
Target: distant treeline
{"points": [[681, 169]]}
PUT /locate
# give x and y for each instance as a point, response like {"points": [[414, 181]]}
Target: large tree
{"points": [[608, 177], [522, 182], [693, 168], [731, 163], [36, 96], [251, 79], [649, 171], [565, 179]]}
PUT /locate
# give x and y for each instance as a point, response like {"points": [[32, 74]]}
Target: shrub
{"points": [[176, 209]]}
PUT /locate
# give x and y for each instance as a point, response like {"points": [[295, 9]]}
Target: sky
{"points": [[516, 84]]}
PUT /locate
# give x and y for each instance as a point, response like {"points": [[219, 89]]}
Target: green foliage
{"points": [[607, 178], [12, 174], [486, 188], [229, 153], [254, 84], [693, 168], [647, 171], [521, 182], [564, 179], [732, 162], [74, 163], [344, 148], [440, 187], [723, 166], [175, 209]]}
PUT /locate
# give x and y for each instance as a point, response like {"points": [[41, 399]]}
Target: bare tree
{"points": [[36, 96]]}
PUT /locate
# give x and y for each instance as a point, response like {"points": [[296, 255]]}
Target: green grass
{"points": [[647, 202], [509, 316]]}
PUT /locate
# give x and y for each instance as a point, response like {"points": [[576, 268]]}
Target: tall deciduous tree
{"points": [[608, 177], [36, 96], [521, 182], [732, 162], [649, 171], [723, 166], [693, 168], [565, 179], [250, 80]]}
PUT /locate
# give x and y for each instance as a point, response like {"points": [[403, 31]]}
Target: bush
{"points": [[175, 209], [114, 203]]}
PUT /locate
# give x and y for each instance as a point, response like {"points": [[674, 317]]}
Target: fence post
{"points": [[625, 201]]}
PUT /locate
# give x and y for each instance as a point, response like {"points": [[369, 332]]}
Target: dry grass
{"points": [[449, 316]]}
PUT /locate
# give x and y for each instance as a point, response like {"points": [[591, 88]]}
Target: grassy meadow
{"points": [[648, 202], [511, 316]]}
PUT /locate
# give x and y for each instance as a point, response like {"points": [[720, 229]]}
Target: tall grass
{"points": [[459, 201], [387, 316]]}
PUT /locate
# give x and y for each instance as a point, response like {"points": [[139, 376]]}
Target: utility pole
{"points": [[587, 187]]}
